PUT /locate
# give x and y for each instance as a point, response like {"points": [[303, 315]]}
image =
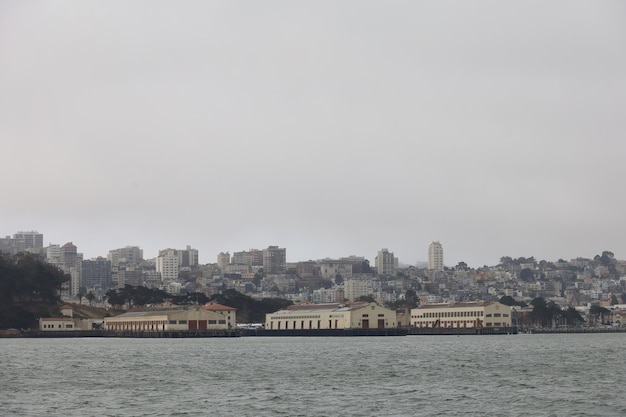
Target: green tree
{"points": [[461, 266], [338, 279], [507, 300], [599, 314], [526, 275], [90, 297], [366, 298]]}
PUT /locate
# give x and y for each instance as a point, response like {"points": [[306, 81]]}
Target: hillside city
{"points": [[581, 283]]}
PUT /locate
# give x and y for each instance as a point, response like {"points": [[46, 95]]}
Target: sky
{"points": [[327, 128]]}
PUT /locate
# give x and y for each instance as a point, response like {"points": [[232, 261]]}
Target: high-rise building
{"points": [[357, 287], [385, 262], [186, 257], [68, 255], [96, 273], [274, 260], [435, 256], [223, 259], [167, 264], [252, 257], [28, 240], [130, 254]]}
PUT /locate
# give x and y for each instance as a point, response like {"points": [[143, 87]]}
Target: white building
{"points": [[206, 317], [356, 287], [462, 315], [385, 262], [167, 264], [331, 316], [435, 256], [223, 259]]}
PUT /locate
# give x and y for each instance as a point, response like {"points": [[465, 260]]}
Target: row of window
{"points": [[439, 314], [209, 321], [296, 317], [60, 326]]}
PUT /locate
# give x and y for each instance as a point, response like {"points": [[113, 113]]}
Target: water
{"points": [[522, 375]]}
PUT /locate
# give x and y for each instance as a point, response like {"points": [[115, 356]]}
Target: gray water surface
{"points": [[517, 375]]}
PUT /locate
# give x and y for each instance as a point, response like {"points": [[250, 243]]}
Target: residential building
{"points": [[274, 260], [252, 257], [96, 273], [435, 256], [129, 254], [223, 259], [28, 240], [68, 254], [167, 264], [356, 287], [385, 262]]}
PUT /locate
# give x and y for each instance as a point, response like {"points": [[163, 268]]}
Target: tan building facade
{"points": [[331, 316], [208, 317], [462, 315]]}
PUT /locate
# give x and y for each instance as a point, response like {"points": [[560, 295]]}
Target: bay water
{"points": [[512, 375]]}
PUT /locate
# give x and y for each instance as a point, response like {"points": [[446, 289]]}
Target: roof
{"points": [[56, 319], [456, 305], [313, 308], [217, 307], [144, 313]]}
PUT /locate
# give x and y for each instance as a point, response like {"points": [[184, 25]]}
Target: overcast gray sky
{"points": [[329, 128]]}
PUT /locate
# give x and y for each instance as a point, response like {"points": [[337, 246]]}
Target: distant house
{"points": [[211, 317], [67, 311], [52, 324], [331, 316]]}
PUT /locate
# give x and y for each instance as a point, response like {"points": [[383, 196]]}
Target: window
{"points": [[172, 322], [222, 321], [182, 321], [212, 321]]}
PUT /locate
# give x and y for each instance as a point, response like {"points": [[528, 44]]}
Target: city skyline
{"points": [[432, 257], [327, 129]]}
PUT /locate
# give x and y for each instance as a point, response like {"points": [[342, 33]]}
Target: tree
{"points": [[412, 299], [29, 288], [338, 279], [598, 313], [573, 317], [461, 266], [507, 300], [90, 297], [540, 314], [366, 298], [526, 274]]}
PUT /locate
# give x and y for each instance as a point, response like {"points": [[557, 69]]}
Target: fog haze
{"points": [[327, 128]]}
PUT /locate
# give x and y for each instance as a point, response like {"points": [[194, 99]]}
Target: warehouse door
{"points": [[202, 324], [381, 323], [366, 323], [193, 324]]}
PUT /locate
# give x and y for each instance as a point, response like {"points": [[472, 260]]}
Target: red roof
{"points": [[217, 307]]}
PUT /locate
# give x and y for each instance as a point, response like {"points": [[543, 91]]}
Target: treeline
{"points": [[249, 310], [546, 314], [29, 288]]}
